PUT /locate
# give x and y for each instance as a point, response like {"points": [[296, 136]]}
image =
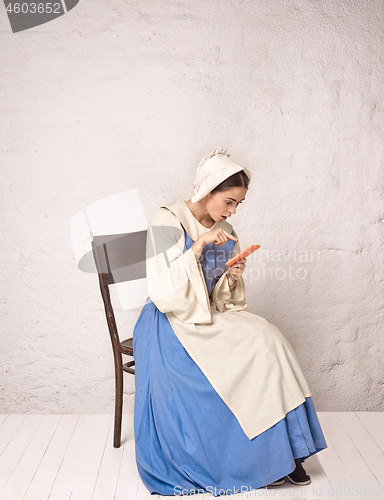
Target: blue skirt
{"points": [[187, 440]]}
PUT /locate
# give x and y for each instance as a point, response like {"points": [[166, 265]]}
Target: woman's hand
{"points": [[217, 236], [237, 269]]}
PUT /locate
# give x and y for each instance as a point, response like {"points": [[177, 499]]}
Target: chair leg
{"points": [[118, 398]]}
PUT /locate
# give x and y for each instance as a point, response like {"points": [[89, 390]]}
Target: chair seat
{"points": [[128, 344]]}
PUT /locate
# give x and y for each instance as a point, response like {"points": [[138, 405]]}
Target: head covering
{"points": [[212, 171]]}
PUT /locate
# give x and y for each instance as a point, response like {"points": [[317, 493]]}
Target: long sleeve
{"points": [[222, 298], [175, 279]]}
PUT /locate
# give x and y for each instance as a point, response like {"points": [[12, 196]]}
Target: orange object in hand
{"points": [[242, 255]]}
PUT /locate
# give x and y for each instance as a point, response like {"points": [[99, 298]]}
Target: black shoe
{"points": [[299, 476], [278, 482]]}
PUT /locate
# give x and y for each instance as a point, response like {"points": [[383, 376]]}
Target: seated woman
{"points": [[221, 404]]}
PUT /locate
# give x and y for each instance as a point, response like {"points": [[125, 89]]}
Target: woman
{"points": [[221, 404]]}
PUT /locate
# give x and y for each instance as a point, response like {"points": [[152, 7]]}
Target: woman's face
{"points": [[223, 204]]}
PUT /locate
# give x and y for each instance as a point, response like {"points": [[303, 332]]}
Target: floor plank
{"points": [[8, 429], [351, 458], [25, 469], [70, 465], [47, 470], [14, 451], [110, 467], [129, 479], [374, 425], [368, 448], [91, 458], [339, 477]]}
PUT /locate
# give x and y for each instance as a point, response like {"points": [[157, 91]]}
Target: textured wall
{"points": [[121, 95]]}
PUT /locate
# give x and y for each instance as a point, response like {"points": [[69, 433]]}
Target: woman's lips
{"points": [[223, 217]]}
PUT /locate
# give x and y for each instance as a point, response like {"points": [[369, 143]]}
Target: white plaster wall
{"points": [[120, 95]]}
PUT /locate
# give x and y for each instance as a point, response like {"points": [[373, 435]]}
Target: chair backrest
{"points": [[118, 258]]}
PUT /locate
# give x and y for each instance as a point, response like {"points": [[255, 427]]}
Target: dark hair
{"points": [[239, 179]]}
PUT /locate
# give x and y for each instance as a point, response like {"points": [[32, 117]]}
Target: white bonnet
{"points": [[212, 171]]}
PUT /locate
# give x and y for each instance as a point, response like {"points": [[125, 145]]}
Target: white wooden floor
{"points": [[71, 457]]}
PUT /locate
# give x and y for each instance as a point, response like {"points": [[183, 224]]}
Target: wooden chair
{"points": [[118, 258]]}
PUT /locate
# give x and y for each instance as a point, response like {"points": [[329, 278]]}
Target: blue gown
{"points": [[187, 440]]}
